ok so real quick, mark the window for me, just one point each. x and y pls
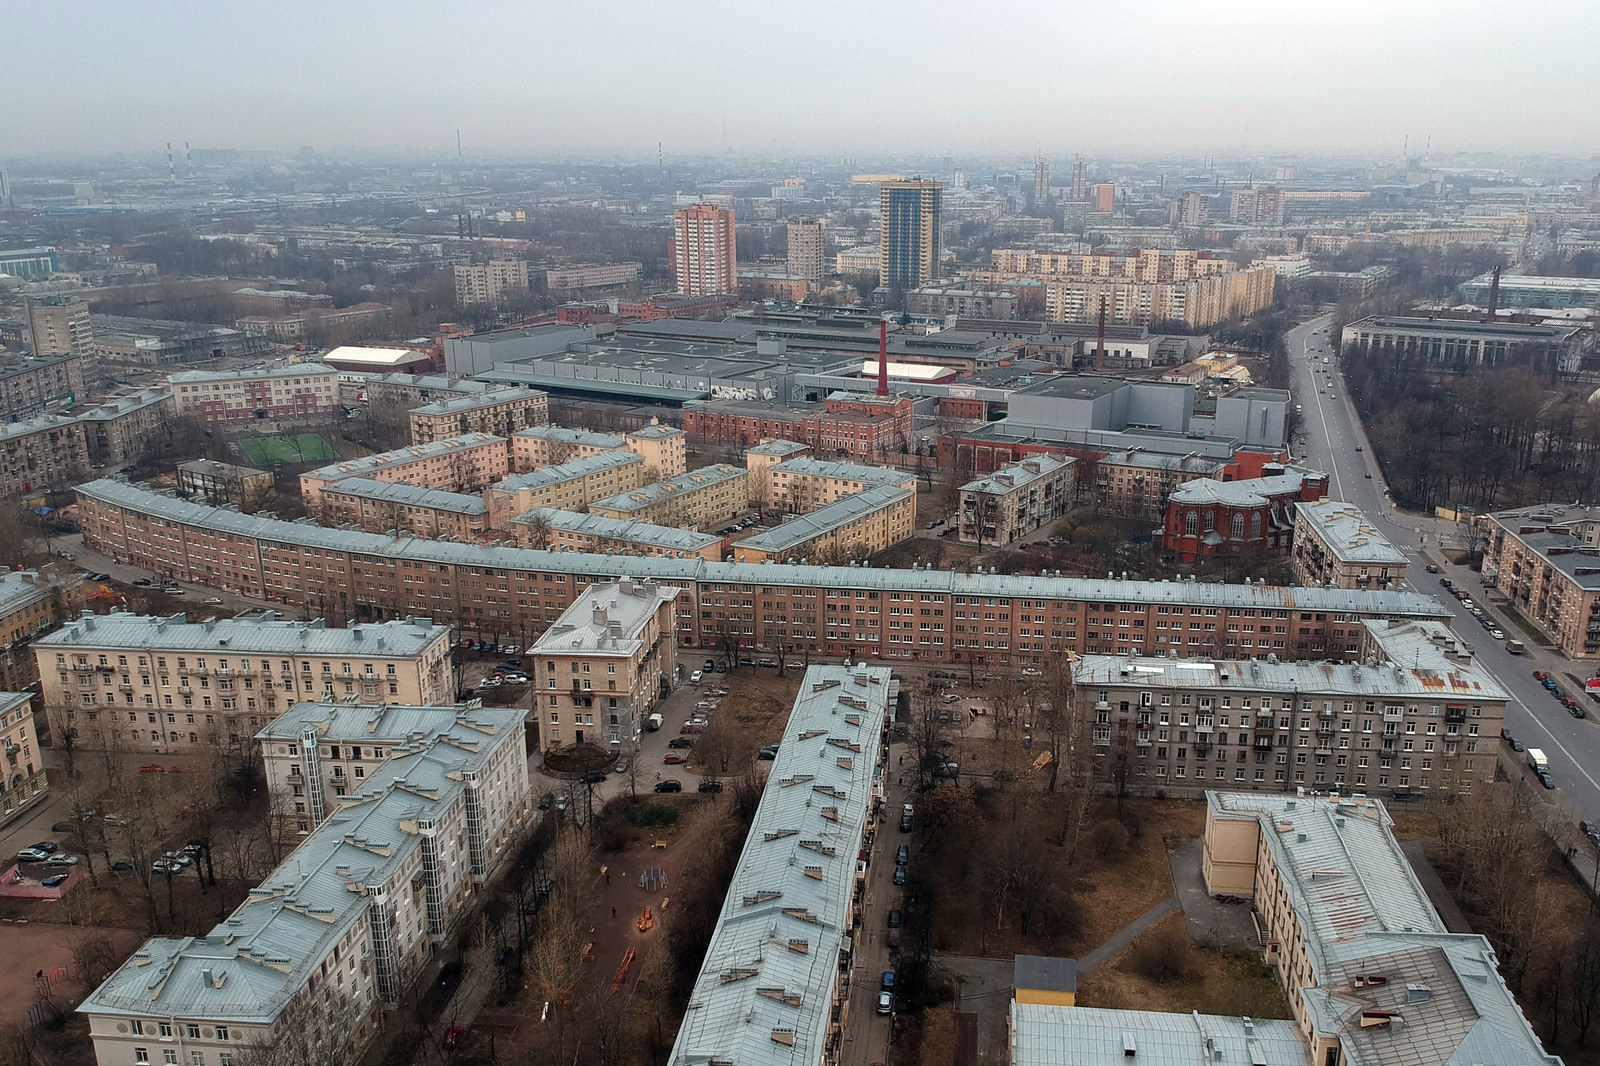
(222, 1034)
(192, 1031)
(141, 1055)
(165, 1028)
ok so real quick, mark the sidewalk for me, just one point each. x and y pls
(1121, 938)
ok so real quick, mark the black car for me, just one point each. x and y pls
(1430, 568)
(49, 847)
(545, 801)
(770, 751)
(1589, 829)
(711, 786)
(1577, 711)
(63, 827)
(902, 856)
(671, 784)
(899, 875)
(593, 777)
(894, 919)
(681, 742)
(122, 865)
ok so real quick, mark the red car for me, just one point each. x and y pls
(452, 1037)
(1568, 702)
(672, 758)
(1540, 675)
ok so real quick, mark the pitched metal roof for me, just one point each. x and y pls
(188, 377)
(477, 401)
(1348, 534)
(605, 620)
(568, 471)
(296, 535)
(640, 498)
(409, 495)
(409, 454)
(19, 589)
(563, 435)
(1092, 1036)
(1013, 476)
(824, 520)
(246, 636)
(764, 994)
(627, 529)
(867, 475)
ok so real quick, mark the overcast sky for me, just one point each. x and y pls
(833, 76)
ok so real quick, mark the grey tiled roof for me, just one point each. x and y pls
(241, 636)
(628, 529)
(825, 520)
(410, 453)
(409, 495)
(1093, 1036)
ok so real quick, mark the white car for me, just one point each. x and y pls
(1496, 634)
(694, 678)
(214, 601)
(61, 858)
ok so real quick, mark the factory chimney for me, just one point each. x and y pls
(1494, 295)
(883, 359)
(1100, 342)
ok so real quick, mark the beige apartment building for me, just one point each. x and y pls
(807, 238)
(124, 427)
(1546, 559)
(409, 510)
(604, 663)
(661, 447)
(1370, 970)
(1334, 544)
(1135, 484)
(300, 391)
(759, 458)
(546, 529)
(335, 935)
(455, 464)
(23, 783)
(317, 754)
(59, 325)
(153, 684)
(495, 282)
(852, 528)
(47, 451)
(568, 486)
(979, 618)
(1015, 500)
(701, 500)
(593, 276)
(800, 486)
(1417, 715)
(29, 384)
(28, 607)
(501, 412)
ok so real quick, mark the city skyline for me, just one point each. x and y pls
(1244, 76)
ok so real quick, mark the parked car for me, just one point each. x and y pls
(680, 742)
(1576, 711)
(722, 668)
(593, 777)
(1430, 568)
(710, 666)
(1540, 675)
(1590, 830)
(905, 819)
(902, 856)
(769, 751)
(887, 983)
(49, 847)
(63, 827)
(710, 786)
(54, 881)
(61, 858)
(694, 678)
(545, 801)
(894, 919)
(32, 855)
(141, 581)
(164, 866)
(452, 1036)
(465, 644)
(671, 784)
(121, 865)
(673, 758)
(212, 601)
(899, 875)
(885, 1002)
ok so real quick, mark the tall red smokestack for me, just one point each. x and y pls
(883, 358)
(1100, 343)
(1494, 296)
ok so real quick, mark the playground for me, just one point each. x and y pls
(42, 964)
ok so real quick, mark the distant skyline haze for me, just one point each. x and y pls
(540, 78)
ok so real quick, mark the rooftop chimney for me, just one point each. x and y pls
(883, 358)
(1100, 341)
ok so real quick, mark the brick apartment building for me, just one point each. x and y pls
(410, 510)
(501, 412)
(302, 391)
(455, 464)
(47, 451)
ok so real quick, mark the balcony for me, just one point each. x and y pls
(82, 668)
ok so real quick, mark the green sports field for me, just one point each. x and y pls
(279, 451)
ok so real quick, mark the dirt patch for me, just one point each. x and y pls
(577, 759)
(752, 714)
(1212, 982)
(39, 948)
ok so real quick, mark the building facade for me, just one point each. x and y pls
(1207, 518)
(1135, 484)
(1015, 500)
(29, 605)
(495, 282)
(800, 486)
(807, 240)
(502, 412)
(852, 528)
(30, 385)
(328, 943)
(153, 684)
(704, 253)
(1463, 344)
(303, 391)
(604, 663)
(1415, 714)
(1544, 559)
(125, 427)
(23, 782)
(219, 483)
(701, 500)
(542, 446)
(938, 301)
(568, 486)
(910, 213)
(776, 607)
(1257, 206)
(455, 464)
(1334, 544)
(380, 506)
(59, 325)
(547, 529)
(593, 276)
(47, 451)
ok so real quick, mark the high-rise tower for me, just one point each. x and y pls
(705, 258)
(908, 232)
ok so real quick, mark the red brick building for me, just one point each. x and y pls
(848, 424)
(1207, 518)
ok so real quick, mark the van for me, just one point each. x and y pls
(654, 722)
(1516, 647)
(1537, 761)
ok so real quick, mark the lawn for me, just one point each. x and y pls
(269, 452)
(1217, 982)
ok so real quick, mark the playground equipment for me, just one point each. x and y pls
(622, 971)
(647, 921)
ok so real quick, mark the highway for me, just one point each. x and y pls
(1334, 443)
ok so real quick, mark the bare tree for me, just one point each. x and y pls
(314, 1029)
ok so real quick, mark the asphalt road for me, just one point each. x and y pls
(1333, 436)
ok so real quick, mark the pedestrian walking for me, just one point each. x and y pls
(608, 877)
(613, 912)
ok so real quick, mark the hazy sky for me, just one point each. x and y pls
(863, 77)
